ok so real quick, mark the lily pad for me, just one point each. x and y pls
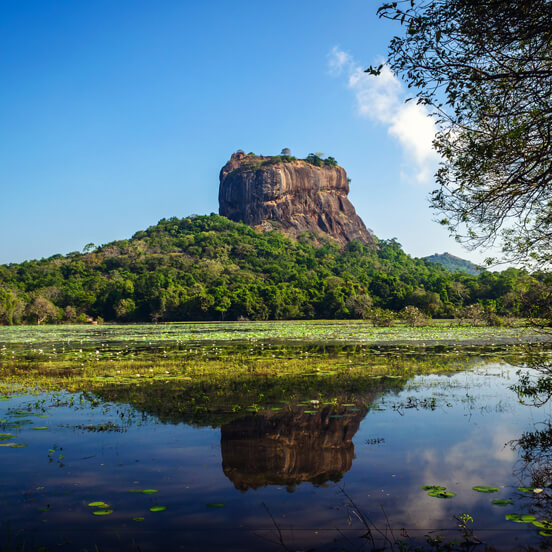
(525, 489)
(98, 504)
(441, 494)
(433, 488)
(138, 519)
(102, 512)
(545, 533)
(543, 524)
(485, 489)
(521, 518)
(38, 428)
(157, 508)
(215, 505)
(502, 502)
(149, 491)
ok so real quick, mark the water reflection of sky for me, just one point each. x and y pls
(397, 447)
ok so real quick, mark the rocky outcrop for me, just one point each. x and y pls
(292, 197)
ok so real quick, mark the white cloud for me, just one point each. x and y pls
(338, 59)
(382, 100)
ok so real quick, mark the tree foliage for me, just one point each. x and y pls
(211, 268)
(484, 67)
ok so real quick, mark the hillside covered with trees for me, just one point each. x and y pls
(210, 268)
(454, 263)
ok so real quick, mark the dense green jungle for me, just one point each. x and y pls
(210, 268)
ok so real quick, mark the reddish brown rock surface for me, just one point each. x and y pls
(290, 448)
(292, 197)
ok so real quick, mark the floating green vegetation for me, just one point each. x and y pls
(521, 518)
(98, 504)
(526, 489)
(102, 512)
(438, 491)
(441, 494)
(544, 524)
(215, 505)
(138, 518)
(502, 502)
(158, 508)
(18, 423)
(39, 428)
(485, 489)
(149, 491)
(49, 341)
(272, 359)
(257, 377)
(433, 488)
(102, 427)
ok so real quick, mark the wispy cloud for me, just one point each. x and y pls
(382, 100)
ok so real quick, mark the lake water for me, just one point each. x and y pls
(337, 444)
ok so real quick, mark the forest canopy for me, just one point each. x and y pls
(210, 268)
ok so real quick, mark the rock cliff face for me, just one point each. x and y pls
(292, 197)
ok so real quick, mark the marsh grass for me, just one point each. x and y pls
(212, 383)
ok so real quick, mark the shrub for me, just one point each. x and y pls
(413, 316)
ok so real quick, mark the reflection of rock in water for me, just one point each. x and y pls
(286, 449)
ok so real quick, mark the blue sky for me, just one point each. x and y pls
(116, 114)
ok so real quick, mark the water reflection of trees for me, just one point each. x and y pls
(535, 448)
(534, 469)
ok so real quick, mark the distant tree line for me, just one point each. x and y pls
(210, 268)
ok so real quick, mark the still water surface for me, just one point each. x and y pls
(279, 474)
